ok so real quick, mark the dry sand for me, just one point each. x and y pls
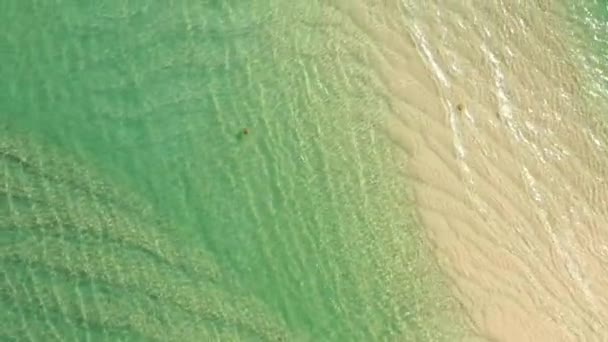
(511, 186)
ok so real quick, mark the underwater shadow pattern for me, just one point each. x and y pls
(81, 260)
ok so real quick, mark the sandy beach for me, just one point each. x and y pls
(409, 167)
(509, 167)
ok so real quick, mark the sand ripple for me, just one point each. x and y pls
(509, 169)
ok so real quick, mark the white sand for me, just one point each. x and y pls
(512, 188)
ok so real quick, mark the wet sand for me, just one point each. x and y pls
(508, 167)
(305, 228)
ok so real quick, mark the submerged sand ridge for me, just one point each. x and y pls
(509, 169)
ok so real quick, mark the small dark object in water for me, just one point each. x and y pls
(245, 131)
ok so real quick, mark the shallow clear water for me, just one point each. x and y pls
(591, 19)
(309, 216)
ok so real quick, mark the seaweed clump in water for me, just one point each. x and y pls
(79, 260)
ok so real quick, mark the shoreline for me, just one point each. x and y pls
(412, 173)
(508, 174)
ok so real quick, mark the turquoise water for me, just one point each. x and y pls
(151, 217)
(133, 208)
(590, 22)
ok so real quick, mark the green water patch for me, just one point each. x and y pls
(77, 262)
(588, 27)
(308, 213)
(585, 28)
